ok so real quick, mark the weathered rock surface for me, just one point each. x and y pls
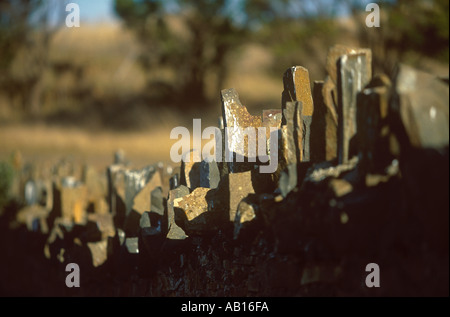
(297, 88)
(354, 74)
(421, 100)
(239, 186)
(174, 232)
(196, 212)
(209, 174)
(236, 120)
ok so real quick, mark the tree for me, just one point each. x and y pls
(195, 51)
(213, 29)
(409, 31)
(25, 36)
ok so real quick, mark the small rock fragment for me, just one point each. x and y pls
(99, 252)
(74, 203)
(157, 201)
(174, 232)
(209, 174)
(141, 201)
(340, 187)
(246, 212)
(132, 245)
(197, 214)
(190, 169)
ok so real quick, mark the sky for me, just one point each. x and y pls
(96, 11)
(101, 11)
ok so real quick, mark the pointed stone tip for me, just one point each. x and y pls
(229, 94)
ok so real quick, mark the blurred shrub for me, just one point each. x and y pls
(409, 31)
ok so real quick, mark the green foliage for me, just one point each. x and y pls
(423, 25)
(414, 28)
(6, 179)
(23, 50)
(14, 26)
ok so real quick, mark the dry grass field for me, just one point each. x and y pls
(107, 55)
(106, 58)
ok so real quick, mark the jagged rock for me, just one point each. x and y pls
(291, 133)
(331, 120)
(174, 181)
(246, 212)
(55, 240)
(34, 217)
(209, 174)
(139, 184)
(142, 201)
(236, 119)
(31, 193)
(151, 223)
(324, 123)
(93, 181)
(132, 245)
(33, 190)
(145, 220)
(421, 101)
(116, 188)
(104, 223)
(73, 203)
(354, 74)
(340, 187)
(190, 169)
(99, 252)
(121, 235)
(330, 94)
(239, 186)
(119, 157)
(96, 189)
(197, 213)
(272, 118)
(219, 138)
(157, 201)
(373, 180)
(321, 171)
(297, 87)
(288, 179)
(337, 51)
(174, 232)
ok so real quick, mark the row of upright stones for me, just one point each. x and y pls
(347, 120)
(352, 122)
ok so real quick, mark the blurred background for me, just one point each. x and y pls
(135, 69)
